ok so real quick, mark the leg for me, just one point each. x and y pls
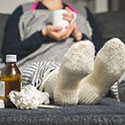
(76, 64)
(108, 68)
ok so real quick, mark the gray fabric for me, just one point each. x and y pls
(111, 24)
(32, 21)
(107, 112)
(36, 73)
(27, 6)
(55, 53)
(3, 21)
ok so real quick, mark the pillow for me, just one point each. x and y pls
(3, 21)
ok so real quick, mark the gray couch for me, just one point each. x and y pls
(107, 112)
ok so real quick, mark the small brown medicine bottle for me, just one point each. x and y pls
(10, 79)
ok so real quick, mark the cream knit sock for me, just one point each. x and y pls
(77, 63)
(50, 83)
(108, 68)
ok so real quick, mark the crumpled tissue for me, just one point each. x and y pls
(29, 98)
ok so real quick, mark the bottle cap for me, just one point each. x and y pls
(11, 58)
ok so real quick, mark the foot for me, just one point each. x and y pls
(108, 68)
(77, 63)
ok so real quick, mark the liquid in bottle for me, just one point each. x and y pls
(10, 79)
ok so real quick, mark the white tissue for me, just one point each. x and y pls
(29, 98)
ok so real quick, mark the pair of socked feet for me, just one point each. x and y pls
(82, 77)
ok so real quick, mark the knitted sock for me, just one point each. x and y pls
(77, 63)
(50, 83)
(108, 68)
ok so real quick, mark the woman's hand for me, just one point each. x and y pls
(76, 33)
(55, 32)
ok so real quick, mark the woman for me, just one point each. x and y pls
(14, 44)
(78, 79)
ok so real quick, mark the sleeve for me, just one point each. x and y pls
(12, 42)
(96, 37)
(84, 37)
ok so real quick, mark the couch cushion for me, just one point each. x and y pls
(3, 21)
(111, 24)
(107, 112)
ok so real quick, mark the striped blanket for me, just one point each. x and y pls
(37, 73)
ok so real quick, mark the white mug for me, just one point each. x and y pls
(58, 18)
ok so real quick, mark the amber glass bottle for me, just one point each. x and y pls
(10, 79)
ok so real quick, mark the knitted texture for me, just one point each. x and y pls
(108, 68)
(88, 94)
(76, 64)
(50, 83)
(51, 50)
(33, 21)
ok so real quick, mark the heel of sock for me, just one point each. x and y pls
(88, 94)
(66, 97)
